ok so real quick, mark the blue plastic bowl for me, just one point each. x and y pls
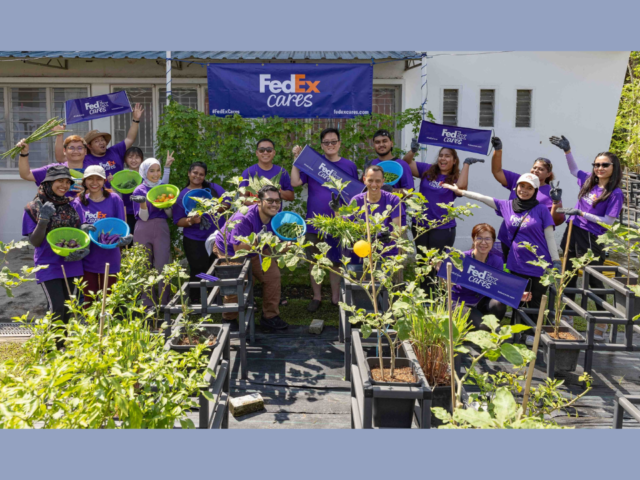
(115, 225)
(189, 203)
(287, 217)
(392, 167)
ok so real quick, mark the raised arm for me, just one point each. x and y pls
(59, 145)
(296, 181)
(409, 158)
(463, 180)
(472, 195)
(496, 162)
(136, 115)
(562, 143)
(167, 168)
(589, 216)
(23, 163)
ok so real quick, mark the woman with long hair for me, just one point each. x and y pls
(600, 200)
(548, 195)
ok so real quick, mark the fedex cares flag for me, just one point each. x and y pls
(460, 138)
(290, 90)
(100, 106)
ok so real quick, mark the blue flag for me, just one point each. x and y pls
(291, 90)
(485, 280)
(100, 106)
(322, 170)
(460, 138)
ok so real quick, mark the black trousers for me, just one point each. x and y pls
(56, 292)
(535, 287)
(438, 239)
(486, 306)
(131, 221)
(582, 240)
(199, 262)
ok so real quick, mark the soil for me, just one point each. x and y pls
(563, 336)
(222, 263)
(401, 375)
(210, 340)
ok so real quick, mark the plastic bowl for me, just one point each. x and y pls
(124, 176)
(391, 166)
(159, 190)
(67, 233)
(113, 225)
(188, 201)
(287, 217)
(76, 174)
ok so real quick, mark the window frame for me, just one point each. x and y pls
(495, 104)
(442, 90)
(515, 107)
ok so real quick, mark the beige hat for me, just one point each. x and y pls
(93, 134)
(531, 179)
(95, 170)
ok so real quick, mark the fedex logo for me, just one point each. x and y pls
(98, 107)
(483, 279)
(296, 84)
(453, 137)
(94, 217)
(110, 165)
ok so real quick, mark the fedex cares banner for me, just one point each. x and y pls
(100, 106)
(460, 138)
(322, 170)
(290, 90)
(485, 280)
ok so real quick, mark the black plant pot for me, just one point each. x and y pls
(227, 272)
(392, 412)
(208, 330)
(566, 360)
(440, 397)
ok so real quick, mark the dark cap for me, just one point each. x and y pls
(382, 133)
(57, 172)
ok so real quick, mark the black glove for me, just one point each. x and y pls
(47, 211)
(87, 227)
(415, 146)
(335, 202)
(561, 142)
(557, 265)
(205, 224)
(555, 193)
(570, 211)
(77, 255)
(387, 188)
(138, 198)
(126, 240)
(384, 237)
(497, 143)
(471, 160)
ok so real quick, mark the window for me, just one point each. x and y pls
(184, 96)
(25, 109)
(487, 108)
(523, 108)
(450, 106)
(146, 130)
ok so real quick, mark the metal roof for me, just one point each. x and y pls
(239, 55)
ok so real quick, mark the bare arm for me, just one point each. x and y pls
(463, 180)
(133, 129)
(296, 181)
(287, 195)
(551, 243)
(413, 165)
(59, 145)
(23, 163)
(496, 168)
(558, 218)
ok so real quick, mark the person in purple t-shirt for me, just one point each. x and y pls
(548, 195)
(318, 200)
(196, 229)
(600, 200)
(94, 204)
(527, 221)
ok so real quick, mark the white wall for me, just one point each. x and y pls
(575, 94)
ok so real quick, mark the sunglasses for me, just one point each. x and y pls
(601, 165)
(266, 149)
(330, 142)
(271, 201)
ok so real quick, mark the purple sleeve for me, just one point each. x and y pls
(573, 166)
(512, 179)
(495, 261)
(119, 205)
(242, 229)
(500, 205)
(80, 209)
(395, 201)
(582, 177)
(136, 206)
(178, 208)
(422, 167)
(119, 149)
(28, 225)
(219, 191)
(353, 170)
(406, 181)
(39, 174)
(285, 181)
(304, 178)
(245, 175)
(545, 216)
(615, 203)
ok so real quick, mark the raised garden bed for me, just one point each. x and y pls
(628, 404)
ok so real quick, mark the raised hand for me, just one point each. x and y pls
(47, 211)
(24, 145)
(58, 128)
(297, 150)
(555, 193)
(497, 143)
(170, 159)
(471, 160)
(335, 202)
(415, 145)
(137, 112)
(561, 142)
(570, 211)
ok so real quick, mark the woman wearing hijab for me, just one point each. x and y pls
(527, 220)
(51, 209)
(152, 230)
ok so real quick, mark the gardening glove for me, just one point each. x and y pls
(497, 143)
(335, 202)
(138, 198)
(415, 145)
(471, 160)
(387, 188)
(570, 211)
(561, 142)
(557, 265)
(385, 237)
(77, 255)
(205, 224)
(555, 193)
(87, 227)
(47, 211)
(126, 240)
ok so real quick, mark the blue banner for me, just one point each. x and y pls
(322, 170)
(460, 138)
(485, 280)
(290, 90)
(100, 106)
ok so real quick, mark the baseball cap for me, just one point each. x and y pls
(94, 170)
(531, 179)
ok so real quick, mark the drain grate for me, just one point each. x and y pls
(12, 330)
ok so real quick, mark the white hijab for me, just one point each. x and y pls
(144, 169)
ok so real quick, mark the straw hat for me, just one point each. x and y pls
(93, 134)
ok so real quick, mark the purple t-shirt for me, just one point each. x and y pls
(385, 200)
(512, 182)
(532, 231)
(112, 161)
(469, 297)
(319, 196)
(154, 212)
(435, 193)
(45, 256)
(610, 207)
(110, 207)
(253, 170)
(193, 232)
(406, 180)
(251, 222)
(40, 173)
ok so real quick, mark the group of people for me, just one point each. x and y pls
(530, 213)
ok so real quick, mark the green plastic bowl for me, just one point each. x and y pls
(159, 190)
(124, 176)
(66, 233)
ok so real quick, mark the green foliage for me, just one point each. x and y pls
(625, 141)
(8, 279)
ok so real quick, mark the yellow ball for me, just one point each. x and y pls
(362, 248)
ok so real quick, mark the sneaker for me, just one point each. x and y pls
(567, 320)
(275, 323)
(529, 340)
(600, 334)
(314, 305)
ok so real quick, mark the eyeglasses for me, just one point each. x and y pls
(483, 240)
(601, 165)
(265, 149)
(330, 142)
(74, 149)
(271, 201)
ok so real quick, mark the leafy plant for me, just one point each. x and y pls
(622, 239)
(8, 279)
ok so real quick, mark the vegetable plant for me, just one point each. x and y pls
(8, 279)
(42, 132)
